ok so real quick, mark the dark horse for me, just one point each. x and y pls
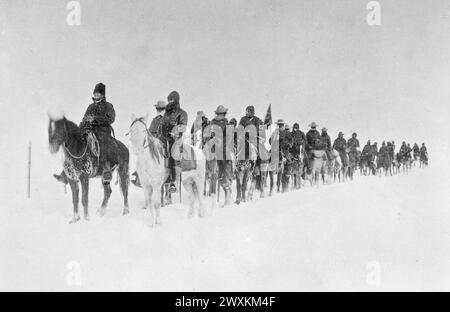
(85, 158)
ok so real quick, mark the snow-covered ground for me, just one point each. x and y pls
(389, 233)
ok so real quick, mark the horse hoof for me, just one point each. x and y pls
(125, 212)
(75, 219)
(101, 212)
(86, 217)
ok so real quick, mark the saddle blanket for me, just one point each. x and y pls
(188, 161)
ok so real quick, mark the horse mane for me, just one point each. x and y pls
(74, 135)
(154, 144)
(155, 147)
(72, 128)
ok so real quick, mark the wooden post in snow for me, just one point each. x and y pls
(29, 171)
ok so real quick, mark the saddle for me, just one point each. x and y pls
(319, 154)
(87, 162)
(188, 161)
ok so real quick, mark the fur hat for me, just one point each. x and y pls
(173, 97)
(100, 88)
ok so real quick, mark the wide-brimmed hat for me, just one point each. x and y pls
(313, 125)
(340, 133)
(160, 105)
(324, 129)
(280, 122)
(221, 110)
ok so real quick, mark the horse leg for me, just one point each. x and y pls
(263, 183)
(124, 177)
(106, 194)
(278, 181)
(75, 199)
(85, 196)
(148, 193)
(271, 182)
(157, 205)
(238, 187)
(198, 195)
(244, 185)
(188, 186)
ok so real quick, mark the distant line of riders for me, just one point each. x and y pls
(296, 150)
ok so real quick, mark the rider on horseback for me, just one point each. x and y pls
(313, 142)
(326, 141)
(366, 153)
(173, 126)
(353, 142)
(285, 144)
(416, 151)
(224, 161)
(197, 129)
(383, 155)
(340, 144)
(353, 145)
(403, 152)
(247, 120)
(298, 139)
(424, 154)
(98, 119)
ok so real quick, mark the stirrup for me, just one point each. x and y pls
(59, 178)
(172, 188)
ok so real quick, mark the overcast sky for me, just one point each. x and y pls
(313, 60)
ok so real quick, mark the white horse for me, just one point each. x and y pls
(318, 166)
(152, 172)
(335, 167)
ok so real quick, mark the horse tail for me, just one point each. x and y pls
(123, 173)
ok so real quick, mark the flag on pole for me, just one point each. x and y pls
(268, 118)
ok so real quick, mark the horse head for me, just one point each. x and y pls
(138, 132)
(57, 132)
(141, 138)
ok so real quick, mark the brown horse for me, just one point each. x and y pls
(85, 158)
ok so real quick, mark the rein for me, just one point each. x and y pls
(93, 141)
(146, 130)
(153, 153)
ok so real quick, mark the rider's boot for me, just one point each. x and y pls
(173, 174)
(136, 180)
(62, 177)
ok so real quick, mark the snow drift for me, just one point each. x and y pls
(374, 233)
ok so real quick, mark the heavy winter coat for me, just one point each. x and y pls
(313, 140)
(174, 116)
(155, 126)
(340, 144)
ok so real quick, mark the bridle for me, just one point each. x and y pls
(141, 120)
